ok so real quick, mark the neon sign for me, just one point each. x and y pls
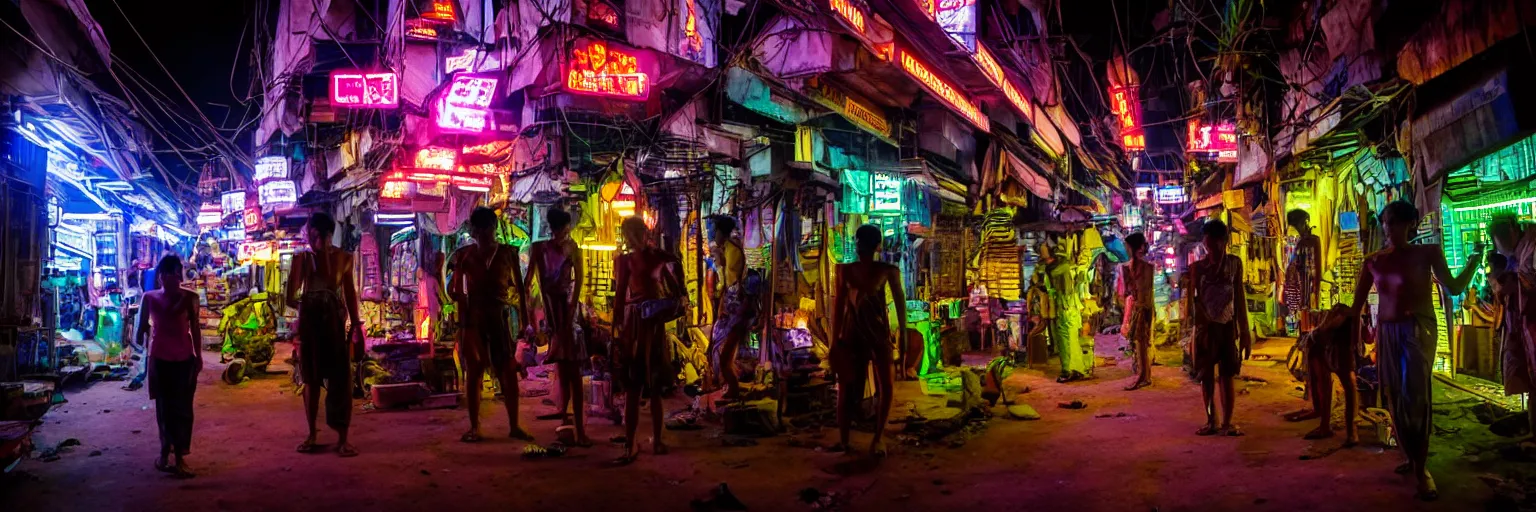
(278, 194)
(1126, 104)
(465, 108)
(1220, 139)
(436, 158)
(394, 189)
(271, 168)
(368, 90)
(442, 10)
(856, 111)
(850, 13)
(473, 60)
(603, 14)
(419, 29)
(232, 202)
(885, 193)
(1172, 194)
(942, 89)
(600, 70)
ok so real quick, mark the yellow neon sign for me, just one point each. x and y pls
(849, 12)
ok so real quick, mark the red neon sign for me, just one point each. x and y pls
(849, 12)
(1126, 104)
(1220, 139)
(442, 10)
(600, 70)
(942, 89)
(376, 90)
(394, 189)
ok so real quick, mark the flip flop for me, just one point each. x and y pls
(1208, 430)
(308, 447)
(1232, 431)
(471, 437)
(346, 450)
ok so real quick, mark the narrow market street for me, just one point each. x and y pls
(1126, 451)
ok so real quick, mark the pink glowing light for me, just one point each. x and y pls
(365, 90)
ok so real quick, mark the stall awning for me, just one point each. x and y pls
(1480, 118)
(1025, 173)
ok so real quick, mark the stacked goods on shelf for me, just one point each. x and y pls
(1000, 256)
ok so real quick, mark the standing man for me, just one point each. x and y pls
(1138, 289)
(1404, 275)
(488, 287)
(324, 273)
(1303, 287)
(1515, 290)
(1222, 338)
(557, 264)
(1061, 282)
(734, 309)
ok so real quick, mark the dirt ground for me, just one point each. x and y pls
(1145, 459)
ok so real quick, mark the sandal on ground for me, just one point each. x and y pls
(1232, 431)
(346, 450)
(308, 446)
(1208, 430)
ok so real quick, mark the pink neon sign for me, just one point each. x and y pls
(1220, 139)
(366, 90)
(466, 107)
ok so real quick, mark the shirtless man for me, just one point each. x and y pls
(1222, 337)
(489, 288)
(1404, 276)
(324, 273)
(734, 309)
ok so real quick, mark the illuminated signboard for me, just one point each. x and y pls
(994, 72)
(271, 168)
(252, 219)
(206, 219)
(367, 90)
(473, 60)
(441, 10)
(956, 17)
(232, 202)
(849, 12)
(694, 31)
(941, 89)
(420, 29)
(858, 112)
(885, 193)
(599, 69)
(466, 107)
(394, 189)
(436, 158)
(1172, 194)
(278, 194)
(1125, 102)
(603, 14)
(1220, 139)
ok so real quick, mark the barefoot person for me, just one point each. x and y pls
(860, 318)
(642, 354)
(324, 273)
(1139, 291)
(488, 286)
(1404, 275)
(169, 319)
(1222, 340)
(1303, 286)
(734, 311)
(556, 263)
(1331, 352)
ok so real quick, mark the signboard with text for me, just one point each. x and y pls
(365, 90)
(1125, 102)
(600, 68)
(1219, 140)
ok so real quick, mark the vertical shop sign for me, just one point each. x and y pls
(1125, 102)
(885, 193)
